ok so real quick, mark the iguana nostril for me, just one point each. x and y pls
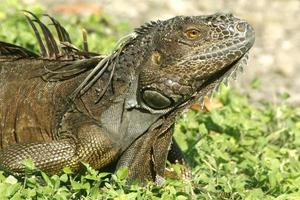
(231, 29)
(221, 17)
(241, 27)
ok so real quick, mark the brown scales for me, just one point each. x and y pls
(67, 105)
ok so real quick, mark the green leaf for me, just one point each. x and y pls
(46, 179)
(28, 164)
(67, 170)
(122, 173)
(11, 180)
(243, 150)
(64, 178)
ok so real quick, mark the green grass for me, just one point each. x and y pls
(103, 31)
(238, 151)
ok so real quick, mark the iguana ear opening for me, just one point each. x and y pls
(156, 58)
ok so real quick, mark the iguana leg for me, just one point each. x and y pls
(146, 157)
(89, 144)
(138, 158)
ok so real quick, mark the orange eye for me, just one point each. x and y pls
(192, 34)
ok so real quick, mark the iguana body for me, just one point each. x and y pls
(69, 106)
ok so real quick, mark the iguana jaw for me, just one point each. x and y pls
(212, 86)
(223, 75)
(230, 69)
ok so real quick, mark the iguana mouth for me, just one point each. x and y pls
(229, 70)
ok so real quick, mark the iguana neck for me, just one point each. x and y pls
(124, 80)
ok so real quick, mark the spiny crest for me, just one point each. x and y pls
(69, 69)
(13, 51)
(76, 61)
(107, 63)
(50, 49)
(146, 27)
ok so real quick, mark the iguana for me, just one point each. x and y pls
(65, 106)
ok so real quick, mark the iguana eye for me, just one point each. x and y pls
(192, 34)
(156, 100)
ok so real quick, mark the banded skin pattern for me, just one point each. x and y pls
(65, 106)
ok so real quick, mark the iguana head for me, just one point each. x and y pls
(187, 56)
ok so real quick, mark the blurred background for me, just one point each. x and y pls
(274, 68)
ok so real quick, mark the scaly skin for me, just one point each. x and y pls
(63, 110)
